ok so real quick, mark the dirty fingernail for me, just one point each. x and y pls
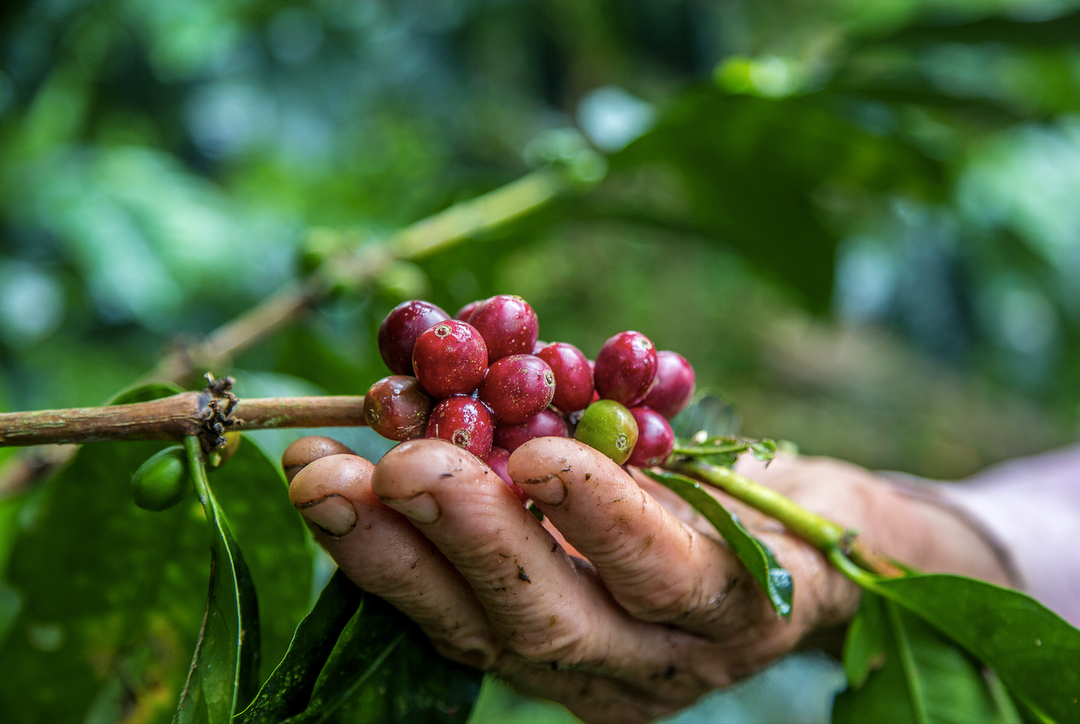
(549, 491)
(421, 507)
(334, 514)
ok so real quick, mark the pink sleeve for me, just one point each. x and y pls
(1030, 509)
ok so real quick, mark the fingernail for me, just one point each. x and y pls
(550, 490)
(334, 514)
(421, 507)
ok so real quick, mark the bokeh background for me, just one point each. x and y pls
(860, 221)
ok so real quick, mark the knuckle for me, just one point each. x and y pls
(660, 600)
(559, 645)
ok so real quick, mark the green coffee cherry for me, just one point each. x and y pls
(610, 428)
(162, 480)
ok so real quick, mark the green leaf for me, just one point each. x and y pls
(1040, 34)
(288, 689)
(1034, 651)
(252, 491)
(224, 669)
(755, 555)
(866, 645)
(903, 670)
(747, 171)
(111, 595)
(710, 412)
(383, 669)
(145, 393)
(357, 659)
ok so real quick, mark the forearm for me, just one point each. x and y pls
(1029, 510)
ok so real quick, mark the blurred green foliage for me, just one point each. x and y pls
(860, 220)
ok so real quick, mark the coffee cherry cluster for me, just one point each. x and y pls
(482, 381)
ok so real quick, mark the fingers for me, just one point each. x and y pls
(382, 553)
(656, 567)
(308, 449)
(546, 608)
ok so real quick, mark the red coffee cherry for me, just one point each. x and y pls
(497, 460)
(450, 358)
(397, 408)
(465, 312)
(518, 387)
(465, 422)
(546, 424)
(398, 332)
(573, 376)
(674, 387)
(655, 438)
(626, 368)
(508, 325)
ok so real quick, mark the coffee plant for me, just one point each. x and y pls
(111, 608)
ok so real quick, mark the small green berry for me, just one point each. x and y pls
(610, 428)
(162, 480)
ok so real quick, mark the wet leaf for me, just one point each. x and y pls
(383, 669)
(357, 659)
(288, 689)
(901, 669)
(755, 555)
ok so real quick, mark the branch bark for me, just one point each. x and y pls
(174, 418)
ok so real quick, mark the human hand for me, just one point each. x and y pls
(624, 605)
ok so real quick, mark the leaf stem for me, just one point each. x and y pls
(715, 450)
(816, 530)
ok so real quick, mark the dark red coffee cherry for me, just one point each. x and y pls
(398, 332)
(508, 325)
(655, 438)
(538, 345)
(518, 387)
(450, 358)
(465, 312)
(397, 407)
(573, 376)
(547, 424)
(497, 460)
(626, 368)
(674, 387)
(465, 422)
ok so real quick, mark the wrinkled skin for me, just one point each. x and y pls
(623, 606)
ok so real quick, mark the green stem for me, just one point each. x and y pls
(816, 530)
(843, 564)
(197, 468)
(717, 450)
(478, 215)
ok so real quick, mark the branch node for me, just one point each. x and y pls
(216, 415)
